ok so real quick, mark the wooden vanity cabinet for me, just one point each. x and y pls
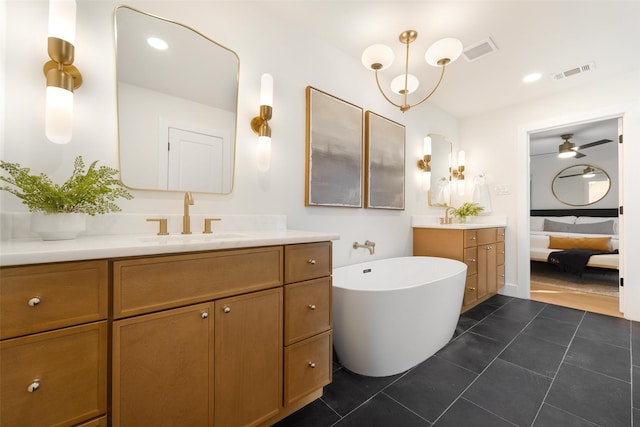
(482, 249)
(53, 353)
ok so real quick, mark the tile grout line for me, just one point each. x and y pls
(584, 313)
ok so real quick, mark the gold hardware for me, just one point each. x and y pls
(163, 225)
(312, 365)
(472, 289)
(371, 246)
(260, 123)
(207, 225)
(226, 309)
(312, 261)
(33, 301)
(186, 220)
(458, 173)
(447, 212)
(425, 164)
(312, 306)
(204, 315)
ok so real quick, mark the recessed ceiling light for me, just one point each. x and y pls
(157, 43)
(530, 78)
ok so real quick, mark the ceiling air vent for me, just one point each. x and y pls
(574, 71)
(479, 50)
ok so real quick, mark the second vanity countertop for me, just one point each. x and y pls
(427, 221)
(36, 251)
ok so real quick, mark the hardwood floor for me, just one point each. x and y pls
(580, 300)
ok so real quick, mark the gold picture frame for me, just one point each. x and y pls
(385, 163)
(333, 151)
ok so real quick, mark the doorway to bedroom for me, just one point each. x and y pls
(573, 190)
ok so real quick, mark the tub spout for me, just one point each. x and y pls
(371, 246)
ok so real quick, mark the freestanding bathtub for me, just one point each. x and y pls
(391, 314)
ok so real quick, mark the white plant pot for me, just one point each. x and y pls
(60, 226)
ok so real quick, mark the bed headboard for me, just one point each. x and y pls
(575, 212)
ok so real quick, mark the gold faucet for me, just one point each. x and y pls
(186, 220)
(447, 218)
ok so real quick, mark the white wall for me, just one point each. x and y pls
(293, 58)
(497, 142)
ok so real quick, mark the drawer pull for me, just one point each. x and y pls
(312, 261)
(472, 289)
(34, 301)
(34, 386)
(312, 365)
(312, 306)
(472, 260)
(489, 248)
(473, 238)
(204, 314)
(226, 309)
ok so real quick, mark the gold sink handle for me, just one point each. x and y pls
(207, 225)
(163, 225)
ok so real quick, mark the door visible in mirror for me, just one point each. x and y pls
(581, 185)
(177, 106)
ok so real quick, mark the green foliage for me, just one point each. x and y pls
(91, 192)
(468, 209)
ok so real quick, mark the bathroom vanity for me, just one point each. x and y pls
(479, 246)
(225, 333)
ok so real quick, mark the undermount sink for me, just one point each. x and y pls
(190, 238)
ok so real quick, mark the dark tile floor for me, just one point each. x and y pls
(512, 362)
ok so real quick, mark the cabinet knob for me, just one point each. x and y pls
(33, 301)
(312, 306)
(312, 261)
(226, 309)
(312, 365)
(204, 314)
(472, 260)
(33, 386)
(473, 238)
(472, 289)
(489, 248)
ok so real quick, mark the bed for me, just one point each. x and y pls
(582, 229)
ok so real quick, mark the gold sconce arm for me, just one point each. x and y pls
(260, 123)
(425, 164)
(458, 173)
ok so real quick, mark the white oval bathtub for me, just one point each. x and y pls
(391, 314)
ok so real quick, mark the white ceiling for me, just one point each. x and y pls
(543, 36)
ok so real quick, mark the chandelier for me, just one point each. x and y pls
(379, 56)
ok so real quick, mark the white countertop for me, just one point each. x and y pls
(431, 221)
(35, 251)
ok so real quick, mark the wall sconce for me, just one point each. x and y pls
(62, 76)
(458, 173)
(260, 123)
(424, 164)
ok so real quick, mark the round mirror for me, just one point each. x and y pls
(581, 185)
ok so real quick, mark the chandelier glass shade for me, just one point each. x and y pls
(379, 57)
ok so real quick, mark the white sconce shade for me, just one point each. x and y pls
(461, 158)
(443, 51)
(397, 84)
(264, 153)
(426, 148)
(461, 187)
(62, 20)
(59, 115)
(266, 90)
(377, 57)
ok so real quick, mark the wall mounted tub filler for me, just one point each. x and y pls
(367, 245)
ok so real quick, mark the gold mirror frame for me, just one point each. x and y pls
(568, 186)
(193, 95)
(439, 193)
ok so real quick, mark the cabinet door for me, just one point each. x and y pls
(162, 368)
(248, 358)
(487, 270)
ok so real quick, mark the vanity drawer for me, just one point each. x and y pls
(307, 261)
(307, 309)
(471, 259)
(43, 297)
(487, 236)
(470, 238)
(143, 285)
(500, 234)
(307, 366)
(500, 273)
(470, 290)
(71, 366)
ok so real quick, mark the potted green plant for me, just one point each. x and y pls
(59, 211)
(467, 209)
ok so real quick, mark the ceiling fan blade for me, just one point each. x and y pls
(569, 176)
(579, 154)
(593, 144)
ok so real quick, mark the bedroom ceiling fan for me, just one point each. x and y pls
(588, 172)
(568, 149)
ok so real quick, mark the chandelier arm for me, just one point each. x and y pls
(382, 92)
(432, 90)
